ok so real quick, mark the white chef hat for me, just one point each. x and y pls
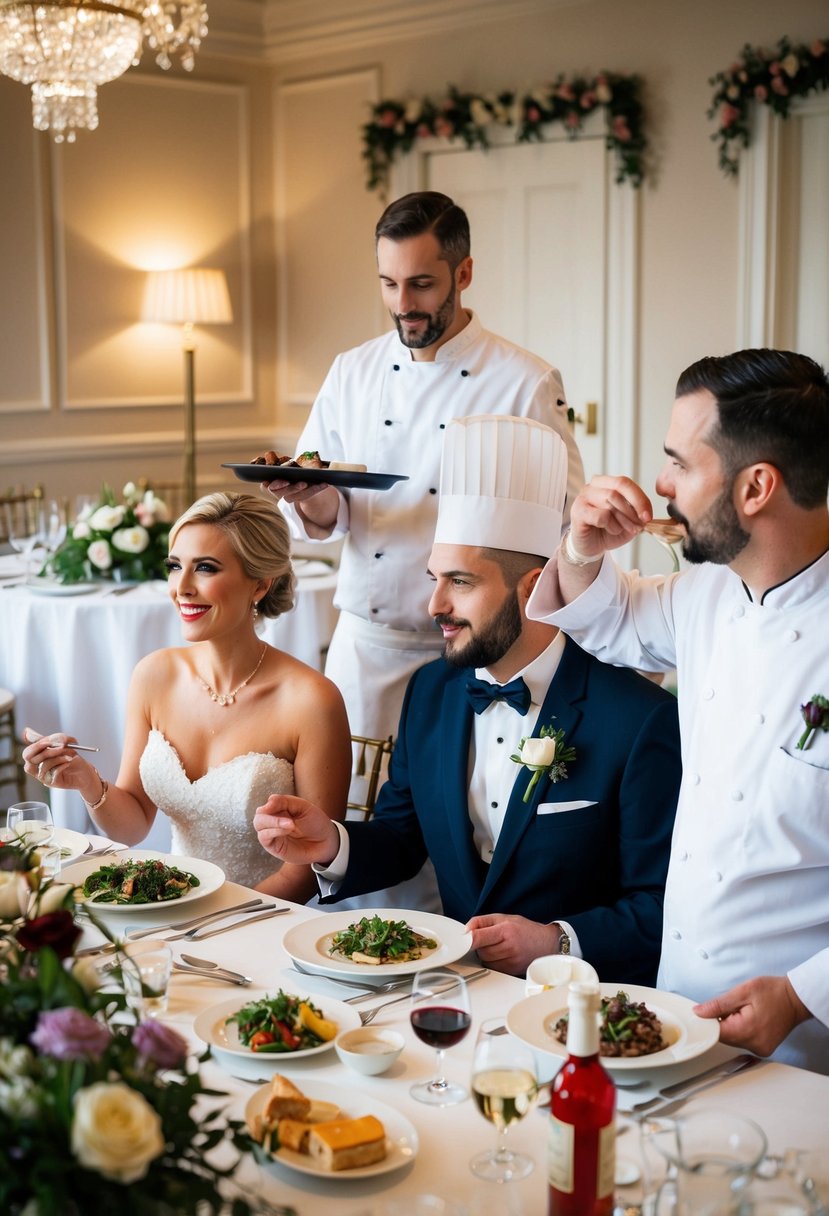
(503, 482)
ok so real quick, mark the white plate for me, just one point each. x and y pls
(211, 1027)
(532, 1019)
(72, 845)
(307, 943)
(401, 1138)
(210, 877)
(45, 587)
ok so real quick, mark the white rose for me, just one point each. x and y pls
(115, 1131)
(790, 64)
(18, 1098)
(129, 489)
(538, 752)
(480, 113)
(87, 972)
(49, 899)
(14, 893)
(100, 554)
(131, 540)
(157, 507)
(414, 109)
(15, 1058)
(603, 93)
(81, 530)
(106, 519)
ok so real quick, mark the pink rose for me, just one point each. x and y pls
(761, 92)
(728, 116)
(533, 114)
(70, 1034)
(621, 130)
(387, 118)
(572, 120)
(818, 48)
(775, 68)
(444, 127)
(423, 129)
(588, 99)
(779, 85)
(565, 92)
(159, 1045)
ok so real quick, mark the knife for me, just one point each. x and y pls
(199, 936)
(673, 1096)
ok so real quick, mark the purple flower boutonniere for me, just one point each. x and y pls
(815, 714)
(545, 754)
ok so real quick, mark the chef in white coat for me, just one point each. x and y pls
(386, 405)
(746, 474)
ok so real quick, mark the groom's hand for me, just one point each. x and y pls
(295, 830)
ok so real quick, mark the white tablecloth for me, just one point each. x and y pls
(791, 1105)
(68, 660)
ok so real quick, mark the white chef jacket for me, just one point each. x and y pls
(380, 407)
(748, 882)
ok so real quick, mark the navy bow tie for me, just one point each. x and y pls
(481, 694)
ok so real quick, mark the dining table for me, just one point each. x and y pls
(791, 1105)
(67, 653)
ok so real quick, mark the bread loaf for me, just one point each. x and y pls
(346, 1144)
(293, 1133)
(285, 1102)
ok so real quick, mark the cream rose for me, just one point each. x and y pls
(115, 1131)
(15, 889)
(131, 540)
(540, 753)
(106, 519)
(81, 530)
(100, 554)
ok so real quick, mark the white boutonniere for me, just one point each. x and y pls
(546, 753)
(815, 714)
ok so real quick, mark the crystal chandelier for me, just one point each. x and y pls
(65, 48)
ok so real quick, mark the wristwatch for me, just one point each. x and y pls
(564, 942)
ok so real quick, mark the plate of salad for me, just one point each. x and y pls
(140, 880)
(376, 943)
(271, 1030)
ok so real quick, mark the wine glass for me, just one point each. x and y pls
(440, 1016)
(30, 822)
(54, 527)
(504, 1087)
(24, 540)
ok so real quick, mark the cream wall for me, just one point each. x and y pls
(308, 235)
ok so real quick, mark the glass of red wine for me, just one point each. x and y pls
(440, 1016)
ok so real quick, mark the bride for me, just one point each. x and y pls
(217, 726)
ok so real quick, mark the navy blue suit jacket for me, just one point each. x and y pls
(600, 866)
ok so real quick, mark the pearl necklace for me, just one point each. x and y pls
(229, 698)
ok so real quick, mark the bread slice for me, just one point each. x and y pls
(293, 1133)
(285, 1101)
(346, 1144)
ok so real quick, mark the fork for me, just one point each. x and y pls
(368, 1015)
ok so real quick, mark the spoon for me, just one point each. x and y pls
(208, 965)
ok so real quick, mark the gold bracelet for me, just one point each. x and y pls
(93, 806)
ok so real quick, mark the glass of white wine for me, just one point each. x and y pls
(504, 1086)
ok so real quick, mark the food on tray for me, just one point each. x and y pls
(291, 1120)
(666, 529)
(347, 1144)
(308, 460)
(282, 1023)
(628, 1028)
(137, 882)
(375, 941)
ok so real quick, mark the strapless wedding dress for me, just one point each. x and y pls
(211, 818)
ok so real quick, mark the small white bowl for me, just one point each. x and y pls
(369, 1050)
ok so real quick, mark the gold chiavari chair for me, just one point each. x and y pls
(368, 768)
(11, 762)
(18, 511)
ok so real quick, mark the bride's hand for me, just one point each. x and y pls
(295, 830)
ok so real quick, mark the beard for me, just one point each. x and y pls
(489, 643)
(717, 537)
(437, 323)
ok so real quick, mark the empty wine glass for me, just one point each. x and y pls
(504, 1087)
(54, 526)
(440, 1016)
(30, 822)
(25, 535)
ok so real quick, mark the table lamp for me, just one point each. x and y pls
(188, 297)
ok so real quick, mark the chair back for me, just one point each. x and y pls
(369, 758)
(18, 511)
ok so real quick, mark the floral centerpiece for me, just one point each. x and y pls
(395, 125)
(772, 78)
(126, 541)
(97, 1111)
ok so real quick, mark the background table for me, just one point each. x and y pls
(790, 1104)
(69, 659)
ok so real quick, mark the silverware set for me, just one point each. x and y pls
(670, 1097)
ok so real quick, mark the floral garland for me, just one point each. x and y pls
(773, 78)
(396, 125)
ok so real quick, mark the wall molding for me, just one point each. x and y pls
(139, 445)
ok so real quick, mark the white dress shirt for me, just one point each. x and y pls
(748, 882)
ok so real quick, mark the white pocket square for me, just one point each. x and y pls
(555, 808)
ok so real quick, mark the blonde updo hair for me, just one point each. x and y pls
(259, 535)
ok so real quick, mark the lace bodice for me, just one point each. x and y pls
(211, 817)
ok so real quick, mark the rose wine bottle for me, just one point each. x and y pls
(581, 1147)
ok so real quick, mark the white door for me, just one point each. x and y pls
(539, 244)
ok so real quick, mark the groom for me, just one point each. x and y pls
(572, 857)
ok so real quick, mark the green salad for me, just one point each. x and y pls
(283, 1023)
(137, 882)
(374, 940)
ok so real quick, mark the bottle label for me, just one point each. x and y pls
(560, 1143)
(606, 1169)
